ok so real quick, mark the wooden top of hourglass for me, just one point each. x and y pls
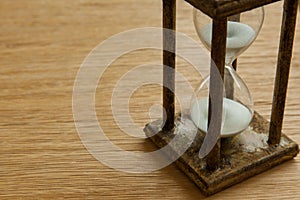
(224, 8)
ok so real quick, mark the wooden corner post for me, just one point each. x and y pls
(169, 45)
(218, 50)
(283, 68)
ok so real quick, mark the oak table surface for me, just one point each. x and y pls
(42, 45)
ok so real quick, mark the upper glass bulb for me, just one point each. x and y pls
(242, 29)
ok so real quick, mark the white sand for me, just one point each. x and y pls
(235, 117)
(239, 36)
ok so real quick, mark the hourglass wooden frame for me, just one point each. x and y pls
(222, 168)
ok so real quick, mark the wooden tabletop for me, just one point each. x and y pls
(44, 42)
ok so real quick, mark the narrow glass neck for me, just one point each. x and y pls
(229, 59)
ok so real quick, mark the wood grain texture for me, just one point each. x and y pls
(43, 43)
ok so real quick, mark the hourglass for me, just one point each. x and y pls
(242, 29)
(221, 121)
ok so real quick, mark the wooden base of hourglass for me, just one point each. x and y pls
(239, 159)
